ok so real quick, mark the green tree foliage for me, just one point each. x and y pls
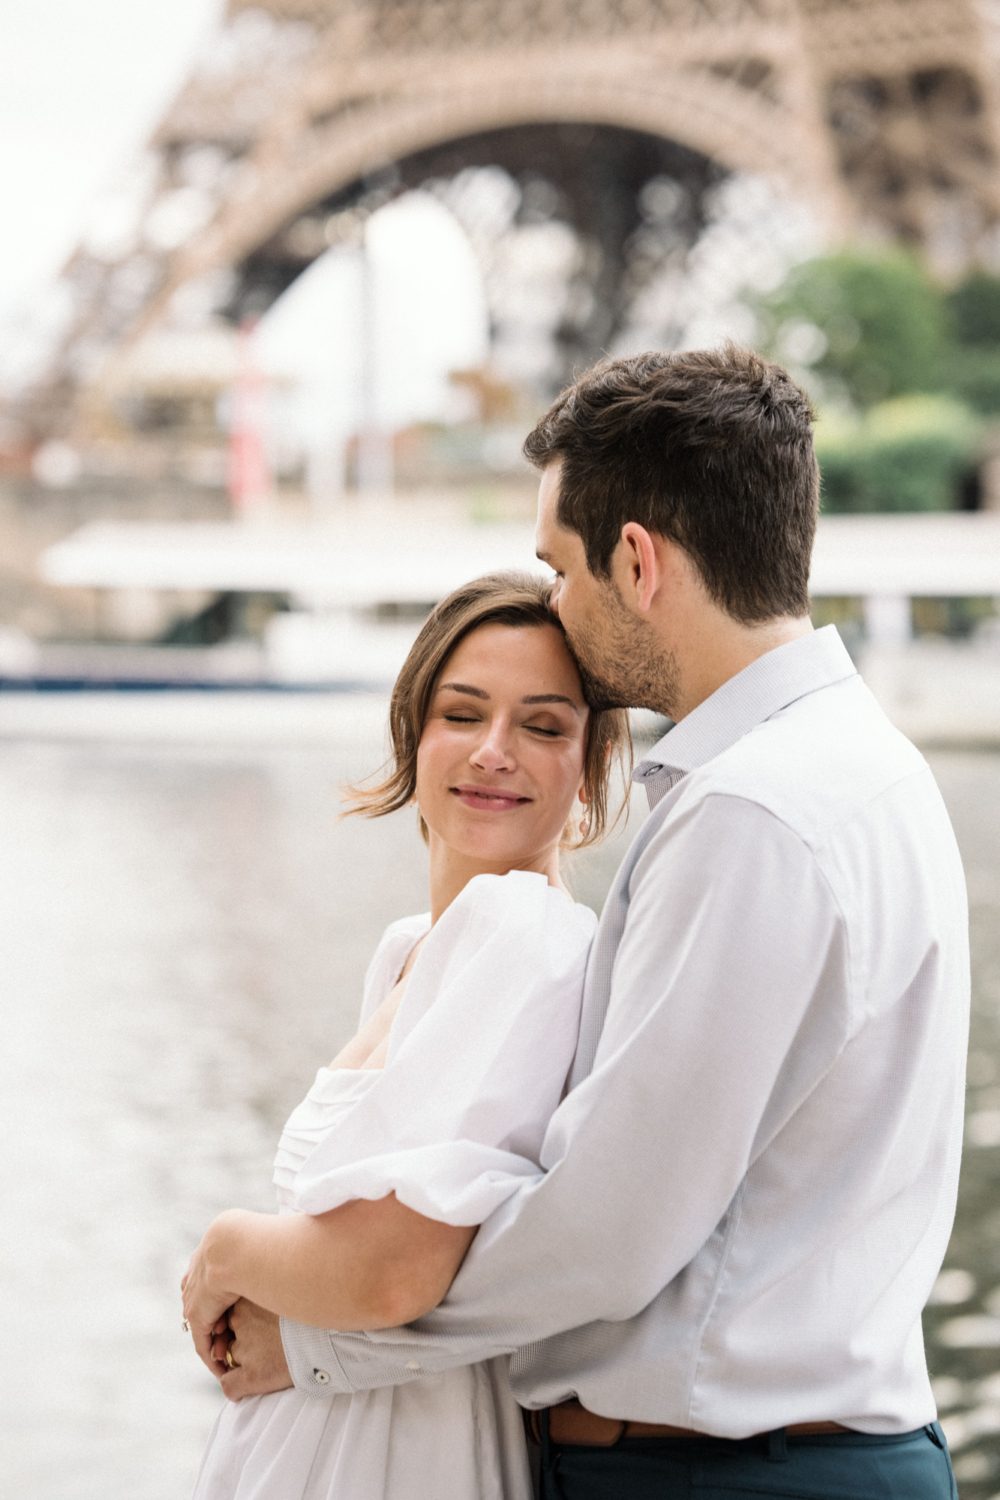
(971, 366)
(877, 324)
(912, 453)
(974, 308)
(912, 368)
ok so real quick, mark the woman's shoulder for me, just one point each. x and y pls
(504, 966)
(397, 940)
(522, 898)
(389, 957)
(405, 929)
(525, 888)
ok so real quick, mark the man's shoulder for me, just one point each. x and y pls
(818, 764)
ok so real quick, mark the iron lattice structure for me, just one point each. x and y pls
(884, 114)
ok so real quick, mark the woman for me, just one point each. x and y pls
(467, 1032)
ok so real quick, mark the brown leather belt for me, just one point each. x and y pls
(570, 1424)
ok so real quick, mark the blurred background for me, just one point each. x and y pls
(282, 288)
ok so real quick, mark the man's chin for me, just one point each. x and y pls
(614, 678)
(602, 695)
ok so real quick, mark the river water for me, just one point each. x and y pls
(184, 927)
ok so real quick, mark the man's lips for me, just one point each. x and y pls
(488, 798)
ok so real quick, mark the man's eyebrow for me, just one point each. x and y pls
(463, 687)
(542, 556)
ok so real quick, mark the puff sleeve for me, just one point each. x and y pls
(478, 1057)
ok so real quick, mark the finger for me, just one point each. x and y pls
(216, 1367)
(221, 1325)
(235, 1384)
(203, 1348)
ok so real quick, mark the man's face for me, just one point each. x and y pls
(621, 662)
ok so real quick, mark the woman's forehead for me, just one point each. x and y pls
(503, 652)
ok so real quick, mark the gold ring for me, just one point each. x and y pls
(230, 1361)
(186, 1326)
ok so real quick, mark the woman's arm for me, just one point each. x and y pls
(364, 1265)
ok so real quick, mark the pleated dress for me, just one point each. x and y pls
(478, 1056)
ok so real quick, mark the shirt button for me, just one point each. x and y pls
(321, 1377)
(412, 1365)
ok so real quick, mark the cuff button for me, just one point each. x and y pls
(321, 1377)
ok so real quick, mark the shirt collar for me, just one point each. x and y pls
(761, 690)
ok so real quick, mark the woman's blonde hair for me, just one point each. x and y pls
(516, 599)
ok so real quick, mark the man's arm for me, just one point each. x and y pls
(695, 1072)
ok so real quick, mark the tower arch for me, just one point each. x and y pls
(883, 115)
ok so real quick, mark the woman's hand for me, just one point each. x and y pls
(206, 1286)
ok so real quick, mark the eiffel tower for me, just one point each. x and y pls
(884, 115)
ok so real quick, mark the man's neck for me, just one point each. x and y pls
(710, 653)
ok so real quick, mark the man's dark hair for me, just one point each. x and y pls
(711, 448)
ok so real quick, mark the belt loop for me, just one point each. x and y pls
(777, 1446)
(543, 1435)
(550, 1484)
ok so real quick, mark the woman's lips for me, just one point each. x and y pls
(488, 798)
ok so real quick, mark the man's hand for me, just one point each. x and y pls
(257, 1352)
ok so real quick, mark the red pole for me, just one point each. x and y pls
(249, 478)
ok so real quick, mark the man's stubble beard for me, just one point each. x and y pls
(621, 663)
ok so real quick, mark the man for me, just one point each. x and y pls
(750, 1185)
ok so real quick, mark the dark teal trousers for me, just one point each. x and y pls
(841, 1466)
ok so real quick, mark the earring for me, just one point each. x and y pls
(584, 825)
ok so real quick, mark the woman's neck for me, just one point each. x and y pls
(451, 871)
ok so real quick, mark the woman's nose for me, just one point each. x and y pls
(494, 751)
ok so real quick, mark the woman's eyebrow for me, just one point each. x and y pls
(474, 692)
(463, 687)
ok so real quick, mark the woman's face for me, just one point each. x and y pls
(501, 756)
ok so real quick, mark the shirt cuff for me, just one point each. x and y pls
(312, 1362)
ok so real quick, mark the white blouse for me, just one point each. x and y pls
(478, 1056)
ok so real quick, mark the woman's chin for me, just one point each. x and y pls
(492, 847)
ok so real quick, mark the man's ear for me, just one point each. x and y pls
(636, 567)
